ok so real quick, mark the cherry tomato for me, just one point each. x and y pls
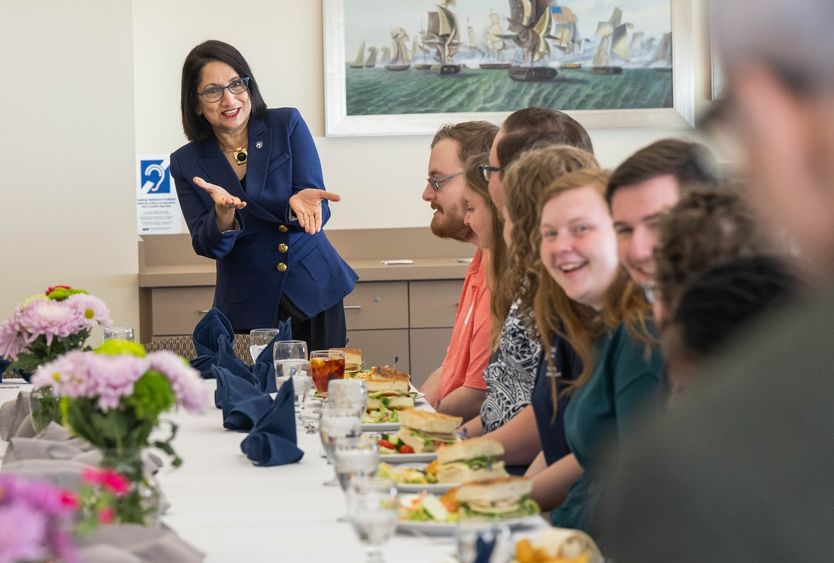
(386, 444)
(406, 449)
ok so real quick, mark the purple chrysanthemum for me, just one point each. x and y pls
(51, 319)
(91, 308)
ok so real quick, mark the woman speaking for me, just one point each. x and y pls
(251, 190)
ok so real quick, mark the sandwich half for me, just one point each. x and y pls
(470, 460)
(494, 499)
(424, 431)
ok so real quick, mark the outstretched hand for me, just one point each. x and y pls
(222, 199)
(306, 205)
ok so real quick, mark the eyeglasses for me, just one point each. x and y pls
(437, 183)
(487, 170)
(215, 93)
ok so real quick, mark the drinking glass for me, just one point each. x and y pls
(290, 360)
(373, 513)
(118, 332)
(495, 539)
(336, 423)
(326, 365)
(348, 393)
(354, 458)
(259, 338)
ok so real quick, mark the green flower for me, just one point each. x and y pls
(61, 292)
(152, 395)
(117, 347)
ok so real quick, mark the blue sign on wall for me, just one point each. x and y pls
(154, 177)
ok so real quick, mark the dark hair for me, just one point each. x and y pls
(707, 227)
(196, 127)
(532, 120)
(473, 137)
(688, 162)
(498, 249)
(728, 298)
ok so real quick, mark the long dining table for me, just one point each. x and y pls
(237, 512)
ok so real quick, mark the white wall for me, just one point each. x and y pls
(90, 83)
(67, 211)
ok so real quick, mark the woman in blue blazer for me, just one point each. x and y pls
(251, 189)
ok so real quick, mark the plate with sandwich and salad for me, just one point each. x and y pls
(470, 460)
(504, 499)
(388, 394)
(421, 433)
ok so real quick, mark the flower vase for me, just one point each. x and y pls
(140, 502)
(45, 408)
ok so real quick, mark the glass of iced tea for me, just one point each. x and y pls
(326, 365)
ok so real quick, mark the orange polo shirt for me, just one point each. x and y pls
(469, 348)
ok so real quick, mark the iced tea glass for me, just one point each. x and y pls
(325, 366)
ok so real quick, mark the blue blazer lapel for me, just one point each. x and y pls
(260, 148)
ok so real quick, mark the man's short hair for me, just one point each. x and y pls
(690, 163)
(564, 127)
(473, 137)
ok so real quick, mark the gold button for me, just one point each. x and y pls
(283, 248)
(282, 267)
(282, 228)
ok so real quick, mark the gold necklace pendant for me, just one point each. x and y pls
(240, 155)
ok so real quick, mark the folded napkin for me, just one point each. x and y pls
(273, 440)
(213, 330)
(131, 543)
(4, 363)
(240, 399)
(14, 417)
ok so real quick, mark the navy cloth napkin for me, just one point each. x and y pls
(483, 549)
(4, 363)
(273, 439)
(213, 330)
(241, 400)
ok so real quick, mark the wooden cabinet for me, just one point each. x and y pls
(177, 310)
(409, 319)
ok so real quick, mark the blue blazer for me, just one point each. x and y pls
(282, 160)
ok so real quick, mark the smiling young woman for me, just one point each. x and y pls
(586, 297)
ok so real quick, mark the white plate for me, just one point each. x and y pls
(433, 488)
(449, 528)
(380, 426)
(407, 458)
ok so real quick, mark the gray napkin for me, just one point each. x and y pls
(13, 415)
(130, 543)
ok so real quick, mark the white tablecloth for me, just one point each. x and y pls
(236, 512)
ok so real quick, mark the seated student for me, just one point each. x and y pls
(706, 228)
(506, 414)
(457, 387)
(717, 306)
(604, 318)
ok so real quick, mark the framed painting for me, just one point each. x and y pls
(404, 67)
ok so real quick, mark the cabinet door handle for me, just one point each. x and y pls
(353, 307)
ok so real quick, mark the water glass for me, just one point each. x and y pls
(337, 423)
(118, 332)
(354, 457)
(326, 365)
(491, 539)
(348, 393)
(259, 339)
(290, 360)
(373, 514)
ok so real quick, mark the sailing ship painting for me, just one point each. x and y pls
(459, 56)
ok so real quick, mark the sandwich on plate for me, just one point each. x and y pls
(421, 431)
(388, 393)
(470, 460)
(495, 499)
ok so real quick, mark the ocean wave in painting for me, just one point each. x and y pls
(377, 91)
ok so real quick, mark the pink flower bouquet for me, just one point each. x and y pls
(36, 521)
(50, 324)
(113, 398)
